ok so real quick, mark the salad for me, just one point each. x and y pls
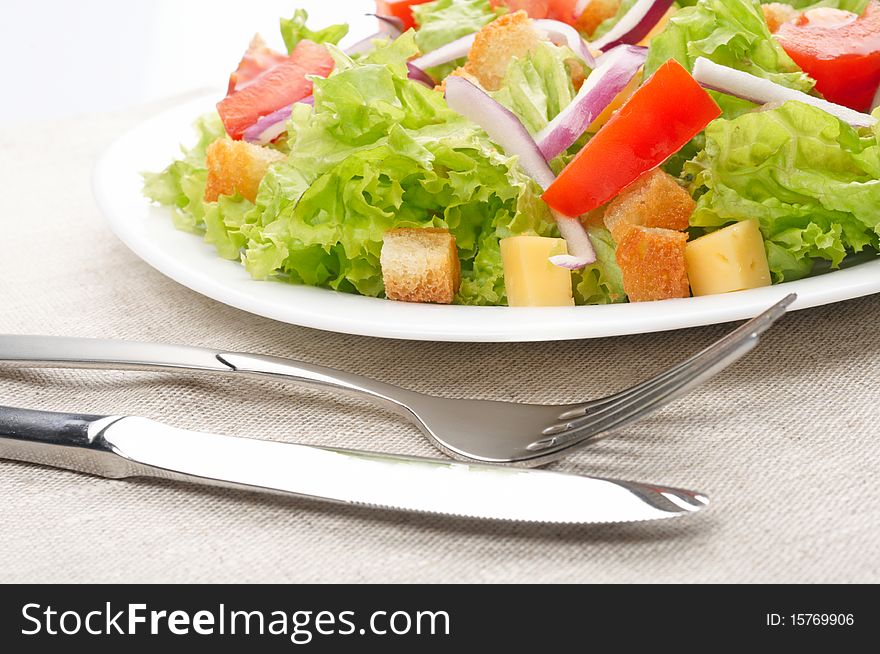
(545, 152)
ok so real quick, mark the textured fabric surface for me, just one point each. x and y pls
(785, 442)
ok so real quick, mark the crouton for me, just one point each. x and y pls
(420, 265)
(777, 13)
(458, 72)
(653, 200)
(509, 36)
(596, 12)
(653, 264)
(237, 166)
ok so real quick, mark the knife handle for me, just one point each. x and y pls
(62, 440)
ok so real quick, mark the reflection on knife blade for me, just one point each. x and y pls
(138, 447)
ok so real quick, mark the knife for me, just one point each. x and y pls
(118, 447)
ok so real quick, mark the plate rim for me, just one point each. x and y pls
(332, 311)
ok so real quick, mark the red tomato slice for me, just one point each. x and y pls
(534, 8)
(257, 60)
(563, 10)
(556, 9)
(284, 84)
(666, 112)
(841, 54)
(401, 9)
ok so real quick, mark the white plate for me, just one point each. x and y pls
(184, 257)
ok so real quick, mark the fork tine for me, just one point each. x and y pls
(755, 326)
(634, 403)
(635, 407)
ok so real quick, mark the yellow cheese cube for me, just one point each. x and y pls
(530, 278)
(731, 259)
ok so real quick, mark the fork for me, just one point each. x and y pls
(488, 431)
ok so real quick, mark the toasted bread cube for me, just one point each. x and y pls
(509, 36)
(777, 13)
(653, 200)
(420, 265)
(653, 264)
(529, 277)
(237, 166)
(458, 72)
(595, 12)
(731, 259)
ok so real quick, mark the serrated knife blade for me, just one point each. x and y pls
(121, 447)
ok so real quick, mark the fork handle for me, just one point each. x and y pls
(68, 352)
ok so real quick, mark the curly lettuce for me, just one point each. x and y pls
(182, 184)
(539, 86)
(294, 30)
(811, 180)
(223, 220)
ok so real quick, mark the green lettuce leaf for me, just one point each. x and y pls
(602, 282)
(377, 152)
(538, 86)
(294, 30)
(223, 221)
(443, 21)
(733, 34)
(811, 181)
(182, 184)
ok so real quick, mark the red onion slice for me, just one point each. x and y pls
(564, 34)
(271, 126)
(444, 54)
(761, 91)
(389, 27)
(506, 130)
(580, 249)
(418, 75)
(635, 25)
(615, 70)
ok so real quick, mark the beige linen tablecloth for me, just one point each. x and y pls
(785, 443)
